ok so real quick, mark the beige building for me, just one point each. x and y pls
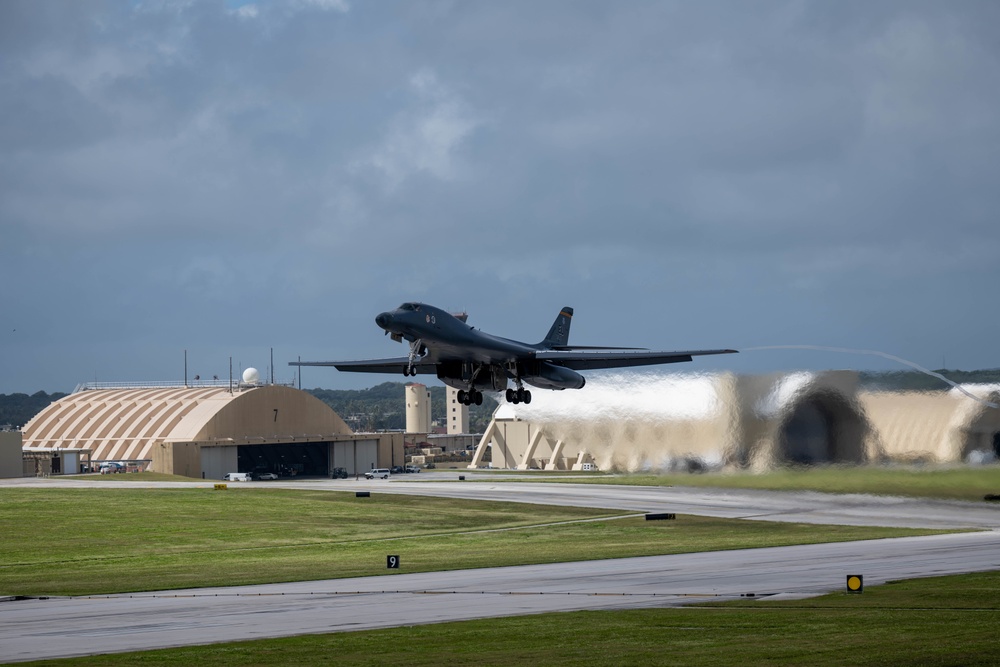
(209, 431)
(458, 414)
(632, 422)
(418, 408)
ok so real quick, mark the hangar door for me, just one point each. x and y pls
(285, 460)
(355, 456)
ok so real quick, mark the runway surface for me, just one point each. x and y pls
(58, 627)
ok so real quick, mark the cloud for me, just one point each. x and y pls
(427, 136)
(728, 171)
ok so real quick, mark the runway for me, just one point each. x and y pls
(60, 627)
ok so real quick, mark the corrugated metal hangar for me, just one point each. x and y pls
(209, 431)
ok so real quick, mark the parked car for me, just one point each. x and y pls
(267, 475)
(378, 473)
(396, 470)
(237, 477)
(338, 473)
(412, 468)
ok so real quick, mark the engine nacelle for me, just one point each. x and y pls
(460, 375)
(549, 376)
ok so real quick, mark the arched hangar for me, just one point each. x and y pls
(634, 422)
(208, 431)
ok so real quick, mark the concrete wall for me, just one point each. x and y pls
(11, 459)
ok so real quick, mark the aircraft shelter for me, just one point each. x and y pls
(758, 422)
(210, 430)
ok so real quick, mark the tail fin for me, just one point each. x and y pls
(558, 335)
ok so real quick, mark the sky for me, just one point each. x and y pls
(228, 178)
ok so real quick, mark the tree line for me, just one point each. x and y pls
(16, 410)
(383, 407)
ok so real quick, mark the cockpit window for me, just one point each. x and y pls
(410, 306)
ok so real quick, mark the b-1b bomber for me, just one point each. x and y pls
(470, 360)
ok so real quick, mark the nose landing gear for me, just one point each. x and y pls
(417, 349)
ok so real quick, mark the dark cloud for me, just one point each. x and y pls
(240, 175)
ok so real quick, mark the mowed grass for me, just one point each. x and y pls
(96, 540)
(964, 483)
(941, 621)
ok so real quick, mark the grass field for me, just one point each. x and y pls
(962, 483)
(941, 621)
(95, 540)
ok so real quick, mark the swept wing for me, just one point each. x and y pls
(392, 365)
(586, 360)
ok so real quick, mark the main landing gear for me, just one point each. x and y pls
(519, 395)
(470, 397)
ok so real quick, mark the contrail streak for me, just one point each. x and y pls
(875, 353)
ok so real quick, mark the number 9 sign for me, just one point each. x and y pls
(392, 562)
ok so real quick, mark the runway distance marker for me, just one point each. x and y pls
(221, 487)
(363, 494)
(855, 583)
(392, 562)
(668, 516)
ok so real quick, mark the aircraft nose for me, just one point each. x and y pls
(383, 319)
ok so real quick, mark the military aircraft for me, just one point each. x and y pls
(470, 360)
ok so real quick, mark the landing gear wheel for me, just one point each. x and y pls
(479, 398)
(461, 397)
(527, 397)
(510, 395)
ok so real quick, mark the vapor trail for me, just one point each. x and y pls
(875, 353)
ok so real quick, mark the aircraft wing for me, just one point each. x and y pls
(394, 365)
(582, 361)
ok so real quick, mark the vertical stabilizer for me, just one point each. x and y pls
(558, 335)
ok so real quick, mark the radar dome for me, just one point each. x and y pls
(251, 376)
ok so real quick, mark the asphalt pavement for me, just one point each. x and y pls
(36, 629)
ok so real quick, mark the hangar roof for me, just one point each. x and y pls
(124, 423)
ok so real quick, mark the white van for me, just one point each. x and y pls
(237, 477)
(378, 473)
